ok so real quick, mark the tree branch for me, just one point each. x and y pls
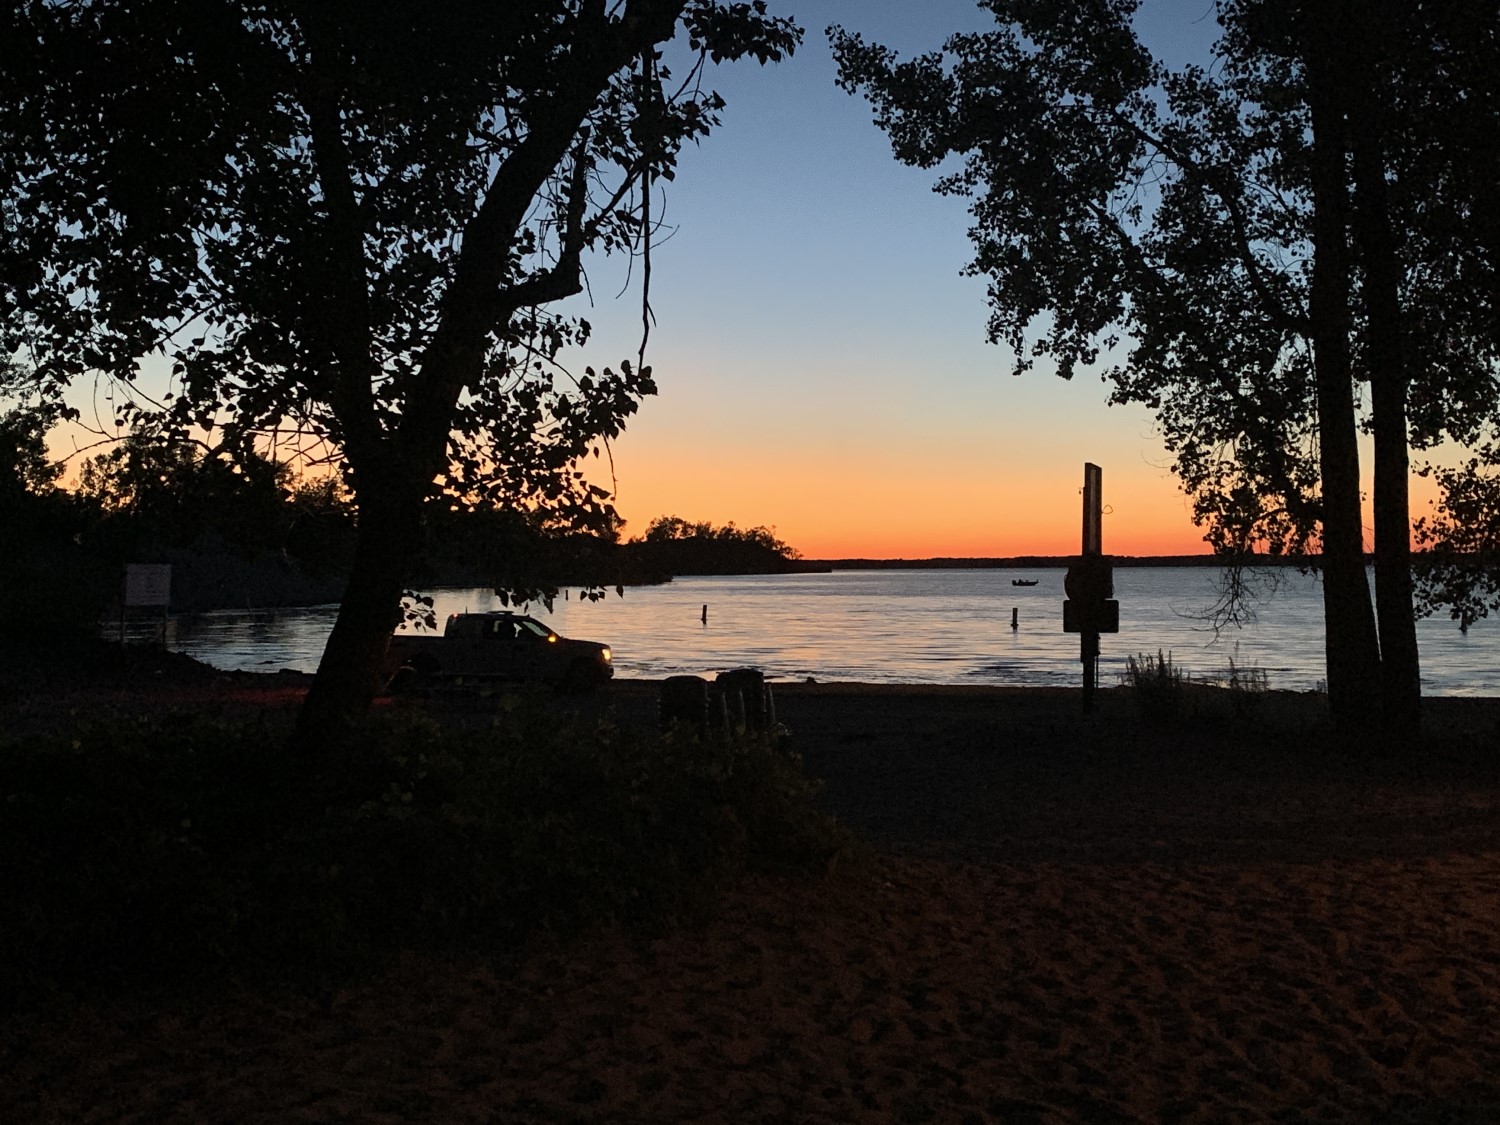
(565, 278)
(349, 330)
(1216, 182)
(470, 310)
(1249, 407)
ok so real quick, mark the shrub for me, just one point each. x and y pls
(1247, 689)
(1157, 685)
(140, 849)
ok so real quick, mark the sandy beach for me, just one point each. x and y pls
(1066, 918)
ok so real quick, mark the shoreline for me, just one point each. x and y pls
(265, 585)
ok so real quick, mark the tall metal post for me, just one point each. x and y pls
(1090, 608)
(1093, 544)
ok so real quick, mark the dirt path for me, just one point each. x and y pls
(923, 991)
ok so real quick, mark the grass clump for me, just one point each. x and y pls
(1247, 689)
(1158, 686)
(174, 847)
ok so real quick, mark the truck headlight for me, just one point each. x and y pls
(606, 655)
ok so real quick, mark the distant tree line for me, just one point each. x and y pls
(243, 529)
(239, 529)
(680, 547)
(527, 559)
(44, 566)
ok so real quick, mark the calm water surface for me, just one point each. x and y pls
(899, 626)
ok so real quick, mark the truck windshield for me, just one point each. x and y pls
(538, 629)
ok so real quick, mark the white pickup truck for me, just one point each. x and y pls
(478, 647)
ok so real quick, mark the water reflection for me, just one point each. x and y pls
(256, 640)
(937, 626)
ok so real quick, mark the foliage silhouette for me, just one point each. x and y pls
(143, 850)
(350, 219)
(673, 545)
(1221, 243)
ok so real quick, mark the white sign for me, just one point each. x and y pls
(148, 584)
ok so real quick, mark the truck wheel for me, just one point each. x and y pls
(414, 675)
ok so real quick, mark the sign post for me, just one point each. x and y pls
(1093, 509)
(1090, 586)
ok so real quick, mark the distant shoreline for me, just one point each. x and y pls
(206, 582)
(1022, 562)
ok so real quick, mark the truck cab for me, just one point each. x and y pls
(498, 646)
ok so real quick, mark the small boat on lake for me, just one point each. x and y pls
(1024, 581)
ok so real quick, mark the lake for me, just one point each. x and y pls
(898, 626)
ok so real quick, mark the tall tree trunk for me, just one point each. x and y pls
(1399, 664)
(391, 486)
(353, 662)
(1351, 646)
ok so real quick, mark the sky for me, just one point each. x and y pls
(822, 362)
(820, 357)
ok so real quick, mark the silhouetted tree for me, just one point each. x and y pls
(25, 467)
(169, 491)
(672, 545)
(1461, 569)
(350, 217)
(665, 528)
(1230, 227)
(42, 565)
(1437, 76)
(320, 525)
(1410, 91)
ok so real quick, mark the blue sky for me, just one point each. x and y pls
(822, 361)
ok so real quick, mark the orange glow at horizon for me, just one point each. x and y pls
(829, 511)
(863, 500)
(897, 514)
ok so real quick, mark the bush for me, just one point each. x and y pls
(139, 849)
(1158, 686)
(1247, 689)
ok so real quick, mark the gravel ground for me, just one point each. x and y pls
(1069, 919)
